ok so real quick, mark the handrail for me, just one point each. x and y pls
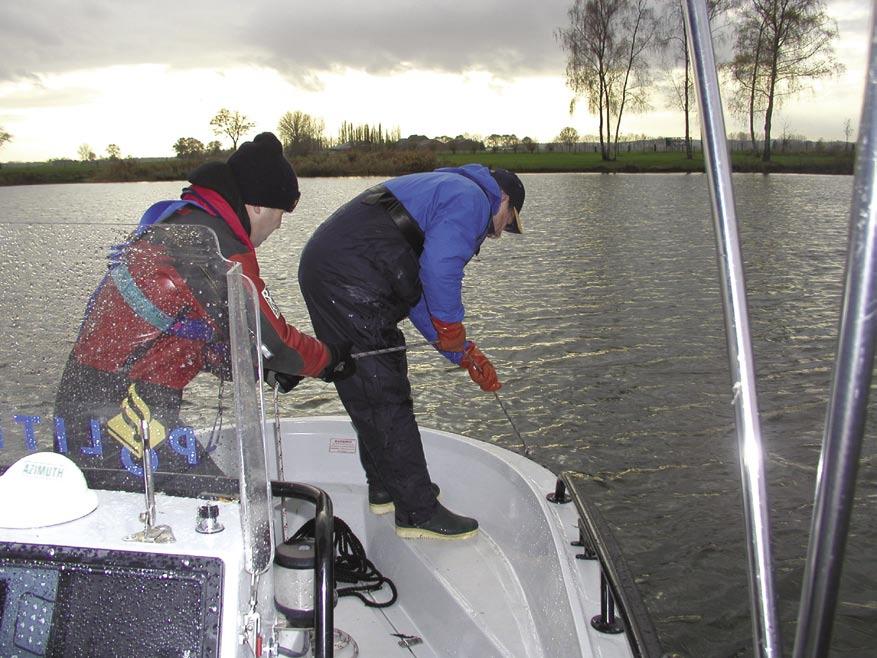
(766, 628)
(846, 416)
(640, 630)
(324, 558)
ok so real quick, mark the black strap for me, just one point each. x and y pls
(381, 196)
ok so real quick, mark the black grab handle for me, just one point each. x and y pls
(324, 559)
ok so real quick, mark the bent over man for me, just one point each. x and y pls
(398, 250)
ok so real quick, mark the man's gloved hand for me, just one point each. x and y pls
(341, 364)
(287, 382)
(480, 368)
(451, 335)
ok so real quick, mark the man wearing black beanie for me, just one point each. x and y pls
(243, 202)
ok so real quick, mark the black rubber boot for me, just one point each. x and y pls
(380, 502)
(443, 524)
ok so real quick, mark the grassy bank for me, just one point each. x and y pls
(653, 162)
(393, 163)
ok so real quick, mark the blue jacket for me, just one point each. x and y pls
(453, 207)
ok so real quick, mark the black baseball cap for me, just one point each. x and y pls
(509, 183)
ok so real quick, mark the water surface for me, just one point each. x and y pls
(604, 322)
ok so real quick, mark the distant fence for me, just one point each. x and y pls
(671, 144)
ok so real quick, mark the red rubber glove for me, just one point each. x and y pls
(451, 335)
(480, 369)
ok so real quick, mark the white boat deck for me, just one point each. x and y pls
(516, 589)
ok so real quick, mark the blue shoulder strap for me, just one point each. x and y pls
(158, 212)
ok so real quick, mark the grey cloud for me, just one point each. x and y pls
(504, 37)
(510, 37)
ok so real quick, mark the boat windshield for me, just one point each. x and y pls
(110, 334)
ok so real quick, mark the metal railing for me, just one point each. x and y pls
(617, 585)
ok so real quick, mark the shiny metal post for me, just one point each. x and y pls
(148, 483)
(765, 621)
(847, 411)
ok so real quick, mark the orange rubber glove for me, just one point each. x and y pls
(451, 335)
(480, 369)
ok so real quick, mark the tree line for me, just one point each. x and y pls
(612, 47)
(304, 134)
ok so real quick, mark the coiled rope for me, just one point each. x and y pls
(351, 565)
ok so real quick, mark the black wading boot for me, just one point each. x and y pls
(443, 524)
(380, 502)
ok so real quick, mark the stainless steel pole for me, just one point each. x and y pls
(766, 628)
(845, 420)
(148, 481)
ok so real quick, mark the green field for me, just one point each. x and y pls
(393, 162)
(660, 162)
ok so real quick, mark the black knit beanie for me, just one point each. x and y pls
(264, 176)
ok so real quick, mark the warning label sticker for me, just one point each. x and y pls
(342, 445)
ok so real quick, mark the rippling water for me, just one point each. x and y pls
(605, 324)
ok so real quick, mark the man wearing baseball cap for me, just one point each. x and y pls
(398, 250)
(514, 188)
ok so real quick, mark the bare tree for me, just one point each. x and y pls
(493, 142)
(511, 142)
(231, 124)
(4, 137)
(301, 133)
(745, 70)
(781, 45)
(848, 131)
(568, 136)
(85, 153)
(113, 152)
(675, 44)
(188, 147)
(606, 45)
(468, 142)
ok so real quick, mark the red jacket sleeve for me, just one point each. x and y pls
(292, 352)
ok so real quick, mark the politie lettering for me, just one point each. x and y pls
(181, 440)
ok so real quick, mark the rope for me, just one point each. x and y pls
(216, 430)
(351, 564)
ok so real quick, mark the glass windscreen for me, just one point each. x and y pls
(110, 335)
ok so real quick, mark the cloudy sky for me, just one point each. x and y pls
(141, 75)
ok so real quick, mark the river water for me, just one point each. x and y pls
(604, 322)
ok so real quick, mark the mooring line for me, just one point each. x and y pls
(525, 448)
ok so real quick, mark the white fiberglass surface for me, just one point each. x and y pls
(516, 589)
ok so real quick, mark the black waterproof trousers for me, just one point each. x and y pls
(359, 277)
